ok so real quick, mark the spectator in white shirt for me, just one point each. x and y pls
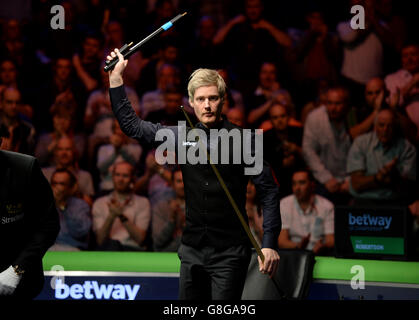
(307, 218)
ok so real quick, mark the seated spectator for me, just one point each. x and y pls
(254, 212)
(65, 157)
(250, 39)
(326, 143)
(121, 148)
(156, 180)
(307, 218)
(20, 133)
(121, 219)
(236, 116)
(87, 63)
(321, 88)
(75, 219)
(282, 147)
(362, 117)
(63, 125)
(168, 76)
(168, 217)
(382, 164)
(404, 83)
(171, 113)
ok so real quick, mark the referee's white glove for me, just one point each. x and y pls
(9, 280)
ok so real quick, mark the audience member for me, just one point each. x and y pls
(404, 83)
(63, 125)
(282, 147)
(382, 164)
(307, 218)
(326, 142)
(65, 157)
(74, 213)
(236, 116)
(20, 134)
(120, 148)
(168, 217)
(121, 219)
(251, 40)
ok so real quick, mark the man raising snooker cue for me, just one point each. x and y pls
(215, 250)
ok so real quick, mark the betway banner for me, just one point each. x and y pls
(92, 285)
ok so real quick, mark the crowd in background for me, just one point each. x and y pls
(339, 108)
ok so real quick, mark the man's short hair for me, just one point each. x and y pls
(206, 77)
(307, 171)
(73, 179)
(340, 87)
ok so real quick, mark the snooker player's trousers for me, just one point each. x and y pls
(212, 274)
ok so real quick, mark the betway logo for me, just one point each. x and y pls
(92, 290)
(368, 220)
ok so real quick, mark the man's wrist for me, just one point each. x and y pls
(116, 81)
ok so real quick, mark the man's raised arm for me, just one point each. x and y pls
(130, 123)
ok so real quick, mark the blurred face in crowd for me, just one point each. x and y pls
(267, 75)
(170, 54)
(12, 30)
(61, 122)
(302, 186)
(61, 186)
(279, 117)
(91, 48)
(64, 152)
(315, 19)
(410, 59)
(167, 77)
(384, 126)
(166, 10)
(236, 117)
(373, 88)
(63, 69)
(207, 104)
(254, 10)
(8, 73)
(11, 102)
(178, 184)
(336, 104)
(122, 177)
(173, 101)
(114, 32)
(207, 29)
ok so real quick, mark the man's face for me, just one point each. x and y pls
(122, 177)
(7, 73)
(384, 127)
(61, 123)
(64, 152)
(254, 10)
(302, 187)
(10, 103)
(207, 105)
(60, 185)
(91, 48)
(267, 75)
(171, 54)
(63, 69)
(372, 90)
(167, 77)
(173, 101)
(178, 184)
(279, 117)
(114, 32)
(336, 105)
(207, 29)
(410, 59)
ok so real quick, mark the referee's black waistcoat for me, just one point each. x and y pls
(210, 217)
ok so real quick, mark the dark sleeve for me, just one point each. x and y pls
(131, 124)
(268, 194)
(43, 220)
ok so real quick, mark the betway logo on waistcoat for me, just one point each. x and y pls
(92, 290)
(367, 220)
